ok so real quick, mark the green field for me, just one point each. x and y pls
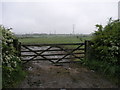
(54, 39)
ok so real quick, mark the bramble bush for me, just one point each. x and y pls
(105, 53)
(107, 42)
(107, 47)
(11, 63)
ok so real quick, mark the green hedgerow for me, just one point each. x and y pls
(11, 64)
(107, 42)
(105, 51)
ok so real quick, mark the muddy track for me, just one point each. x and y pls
(44, 74)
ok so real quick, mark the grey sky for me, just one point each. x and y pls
(50, 16)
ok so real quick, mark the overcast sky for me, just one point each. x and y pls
(50, 16)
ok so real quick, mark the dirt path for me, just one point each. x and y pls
(45, 75)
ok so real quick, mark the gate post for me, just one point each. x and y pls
(87, 48)
(19, 49)
(15, 43)
(17, 46)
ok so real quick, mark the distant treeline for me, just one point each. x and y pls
(47, 35)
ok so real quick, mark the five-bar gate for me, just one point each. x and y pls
(55, 53)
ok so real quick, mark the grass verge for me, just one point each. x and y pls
(105, 69)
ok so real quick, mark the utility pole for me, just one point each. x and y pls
(50, 33)
(54, 31)
(73, 29)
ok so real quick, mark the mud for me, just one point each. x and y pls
(43, 74)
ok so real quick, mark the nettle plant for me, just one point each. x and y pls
(9, 57)
(107, 42)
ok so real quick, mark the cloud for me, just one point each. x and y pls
(46, 17)
(60, 1)
(0, 13)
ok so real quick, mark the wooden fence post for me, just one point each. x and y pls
(19, 49)
(87, 48)
(16, 45)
